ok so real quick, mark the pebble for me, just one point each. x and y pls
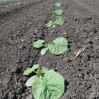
(96, 67)
(92, 96)
(20, 85)
(19, 91)
(6, 78)
(18, 60)
(96, 76)
(29, 96)
(22, 47)
(13, 68)
(11, 95)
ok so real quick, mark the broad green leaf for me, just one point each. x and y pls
(57, 12)
(44, 50)
(31, 80)
(61, 41)
(35, 66)
(51, 86)
(30, 70)
(57, 4)
(38, 43)
(59, 20)
(49, 24)
(55, 83)
(27, 71)
(39, 89)
(59, 46)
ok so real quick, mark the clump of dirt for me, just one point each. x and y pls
(19, 30)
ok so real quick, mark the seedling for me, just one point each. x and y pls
(57, 4)
(58, 20)
(47, 85)
(57, 12)
(57, 47)
(51, 24)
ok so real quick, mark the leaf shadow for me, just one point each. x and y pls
(66, 84)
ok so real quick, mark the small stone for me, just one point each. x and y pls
(96, 67)
(92, 96)
(11, 95)
(89, 18)
(23, 94)
(19, 85)
(19, 91)
(94, 30)
(24, 79)
(6, 78)
(93, 88)
(22, 47)
(88, 40)
(13, 68)
(29, 97)
(96, 76)
(0, 92)
(18, 60)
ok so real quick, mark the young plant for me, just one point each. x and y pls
(57, 47)
(57, 12)
(46, 84)
(57, 4)
(58, 20)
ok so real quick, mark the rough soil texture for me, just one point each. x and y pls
(21, 27)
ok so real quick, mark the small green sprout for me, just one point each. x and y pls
(57, 12)
(58, 20)
(50, 24)
(57, 4)
(48, 85)
(57, 47)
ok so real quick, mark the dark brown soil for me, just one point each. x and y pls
(22, 26)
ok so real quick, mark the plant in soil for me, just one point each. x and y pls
(57, 4)
(46, 84)
(56, 47)
(58, 20)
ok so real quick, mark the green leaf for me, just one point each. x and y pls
(57, 4)
(31, 80)
(27, 71)
(59, 20)
(59, 46)
(30, 70)
(38, 43)
(44, 50)
(53, 26)
(38, 88)
(38, 72)
(35, 66)
(57, 12)
(55, 83)
(51, 86)
(49, 24)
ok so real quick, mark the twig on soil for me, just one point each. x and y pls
(15, 80)
(81, 50)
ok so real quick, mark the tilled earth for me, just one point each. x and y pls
(21, 27)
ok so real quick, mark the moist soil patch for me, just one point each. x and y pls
(19, 29)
